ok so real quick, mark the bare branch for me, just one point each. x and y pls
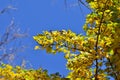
(7, 9)
(11, 34)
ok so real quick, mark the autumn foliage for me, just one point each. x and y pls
(94, 56)
(8, 72)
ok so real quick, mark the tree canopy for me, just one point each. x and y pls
(93, 56)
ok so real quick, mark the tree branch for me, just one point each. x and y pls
(115, 74)
(96, 46)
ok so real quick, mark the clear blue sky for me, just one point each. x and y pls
(40, 15)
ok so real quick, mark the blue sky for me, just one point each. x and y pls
(40, 15)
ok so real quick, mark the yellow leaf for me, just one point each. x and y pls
(37, 47)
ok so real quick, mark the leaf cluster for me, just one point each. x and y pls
(94, 55)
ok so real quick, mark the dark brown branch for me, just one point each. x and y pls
(84, 4)
(96, 46)
(115, 74)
